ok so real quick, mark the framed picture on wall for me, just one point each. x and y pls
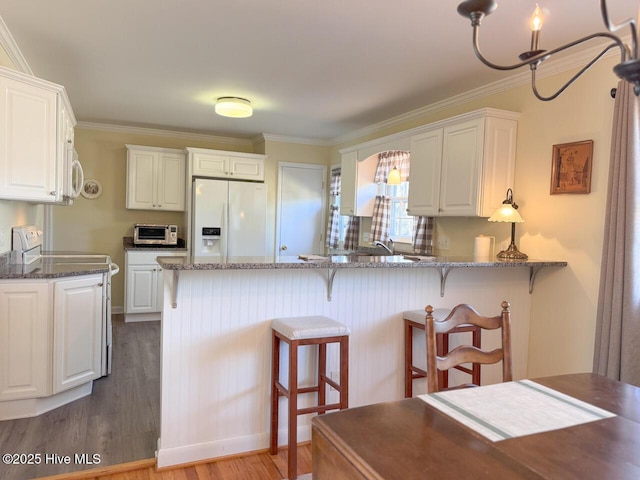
(571, 167)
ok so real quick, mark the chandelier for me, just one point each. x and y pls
(628, 69)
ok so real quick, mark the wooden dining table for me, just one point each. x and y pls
(411, 439)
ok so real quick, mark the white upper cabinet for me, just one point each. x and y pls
(155, 178)
(223, 164)
(36, 130)
(463, 167)
(357, 188)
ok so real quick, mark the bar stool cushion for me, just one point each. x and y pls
(419, 316)
(302, 328)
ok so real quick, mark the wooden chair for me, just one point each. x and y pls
(465, 315)
(415, 320)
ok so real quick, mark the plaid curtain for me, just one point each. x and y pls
(381, 218)
(423, 234)
(352, 235)
(335, 183)
(393, 158)
(333, 232)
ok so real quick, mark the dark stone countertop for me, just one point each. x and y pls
(341, 261)
(127, 244)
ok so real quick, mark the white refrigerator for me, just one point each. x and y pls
(229, 218)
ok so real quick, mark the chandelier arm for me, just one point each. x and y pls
(571, 80)
(536, 59)
(613, 28)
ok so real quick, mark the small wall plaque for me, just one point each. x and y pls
(571, 167)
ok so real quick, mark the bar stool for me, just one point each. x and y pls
(298, 332)
(416, 319)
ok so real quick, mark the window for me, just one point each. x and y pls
(401, 224)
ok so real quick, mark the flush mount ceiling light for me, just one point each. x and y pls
(234, 107)
(628, 69)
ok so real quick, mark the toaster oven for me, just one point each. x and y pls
(151, 234)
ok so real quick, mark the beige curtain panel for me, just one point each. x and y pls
(617, 342)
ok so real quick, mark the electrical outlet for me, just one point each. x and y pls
(443, 243)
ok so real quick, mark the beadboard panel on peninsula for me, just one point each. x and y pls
(216, 343)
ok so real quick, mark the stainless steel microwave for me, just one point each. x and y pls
(150, 234)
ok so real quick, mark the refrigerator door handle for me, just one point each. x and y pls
(225, 235)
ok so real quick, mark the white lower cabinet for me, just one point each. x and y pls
(77, 335)
(144, 284)
(51, 337)
(25, 340)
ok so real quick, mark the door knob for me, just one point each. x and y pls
(283, 248)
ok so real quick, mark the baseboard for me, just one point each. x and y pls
(32, 407)
(169, 458)
(117, 309)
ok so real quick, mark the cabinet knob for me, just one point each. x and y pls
(53, 193)
(283, 248)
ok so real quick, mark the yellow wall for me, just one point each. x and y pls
(557, 227)
(98, 225)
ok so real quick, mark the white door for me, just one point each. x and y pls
(301, 209)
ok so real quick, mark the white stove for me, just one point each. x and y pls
(27, 243)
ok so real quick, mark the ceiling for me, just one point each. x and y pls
(313, 69)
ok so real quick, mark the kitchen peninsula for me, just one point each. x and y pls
(216, 334)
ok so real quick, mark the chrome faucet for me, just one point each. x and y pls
(378, 243)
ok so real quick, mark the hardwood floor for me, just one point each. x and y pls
(259, 466)
(119, 421)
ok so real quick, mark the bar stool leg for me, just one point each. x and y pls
(322, 372)
(275, 373)
(292, 470)
(344, 372)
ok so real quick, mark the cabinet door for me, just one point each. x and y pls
(498, 165)
(348, 181)
(142, 289)
(210, 165)
(25, 341)
(461, 168)
(424, 179)
(77, 331)
(29, 160)
(171, 182)
(141, 179)
(246, 168)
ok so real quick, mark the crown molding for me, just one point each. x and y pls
(318, 142)
(549, 68)
(10, 46)
(106, 127)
